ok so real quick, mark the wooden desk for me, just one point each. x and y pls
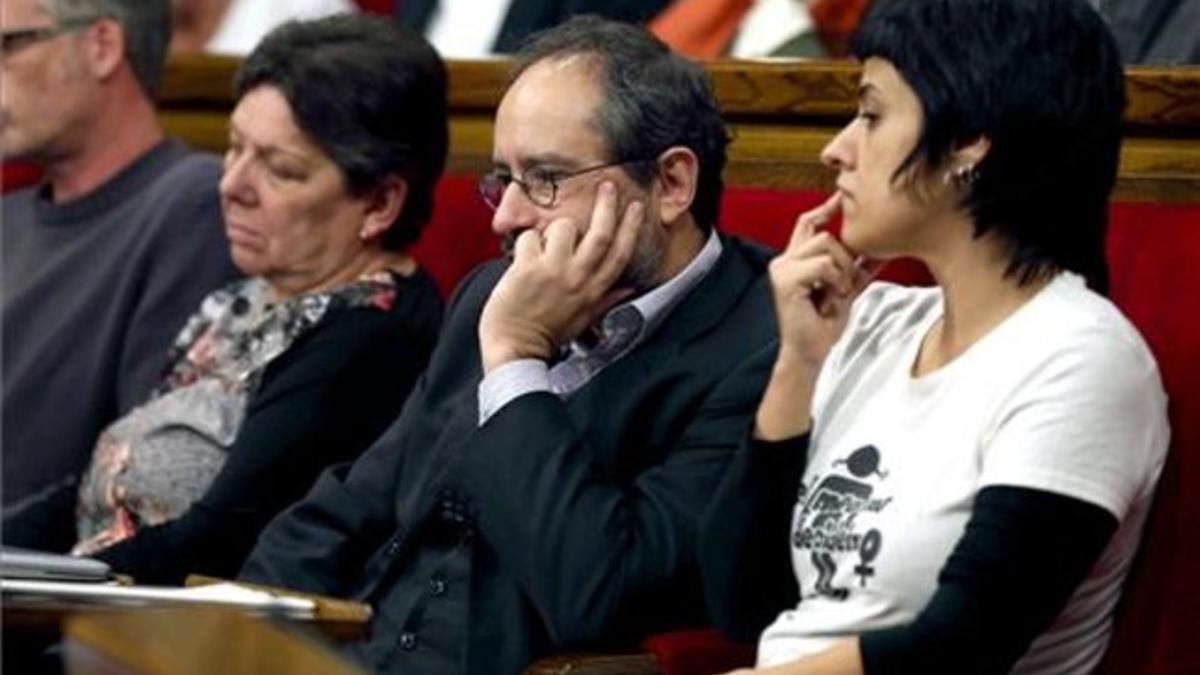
(119, 638)
(193, 642)
(144, 641)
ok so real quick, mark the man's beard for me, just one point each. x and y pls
(640, 273)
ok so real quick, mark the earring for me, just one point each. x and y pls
(961, 176)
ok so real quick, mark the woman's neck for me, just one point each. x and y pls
(366, 262)
(977, 295)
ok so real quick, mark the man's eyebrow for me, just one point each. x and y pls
(553, 159)
(545, 159)
(867, 90)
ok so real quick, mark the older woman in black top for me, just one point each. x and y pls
(335, 145)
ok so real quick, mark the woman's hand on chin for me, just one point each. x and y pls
(814, 281)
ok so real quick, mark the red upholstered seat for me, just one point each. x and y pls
(459, 236)
(698, 651)
(381, 7)
(1156, 282)
(16, 175)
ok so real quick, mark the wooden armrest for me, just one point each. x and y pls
(595, 664)
(341, 620)
(192, 642)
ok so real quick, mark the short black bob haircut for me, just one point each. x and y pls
(653, 99)
(371, 95)
(1042, 80)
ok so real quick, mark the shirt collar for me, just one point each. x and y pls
(655, 305)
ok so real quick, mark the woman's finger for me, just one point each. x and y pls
(821, 271)
(825, 244)
(808, 222)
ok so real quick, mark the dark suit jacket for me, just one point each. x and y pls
(525, 17)
(585, 511)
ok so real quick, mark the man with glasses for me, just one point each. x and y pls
(101, 262)
(542, 488)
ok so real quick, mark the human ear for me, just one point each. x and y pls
(678, 174)
(382, 205)
(104, 47)
(964, 160)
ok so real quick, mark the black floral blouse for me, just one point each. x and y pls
(151, 465)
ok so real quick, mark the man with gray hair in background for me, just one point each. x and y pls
(104, 259)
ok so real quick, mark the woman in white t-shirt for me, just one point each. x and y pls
(950, 479)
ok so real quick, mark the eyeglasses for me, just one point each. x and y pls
(14, 39)
(539, 185)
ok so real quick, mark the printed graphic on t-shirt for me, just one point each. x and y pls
(827, 528)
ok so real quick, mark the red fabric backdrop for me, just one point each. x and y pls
(383, 7)
(15, 175)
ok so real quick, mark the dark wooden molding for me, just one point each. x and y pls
(780, 113)
(198, 83)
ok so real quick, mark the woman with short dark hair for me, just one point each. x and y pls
(336, 142)
(950, 479)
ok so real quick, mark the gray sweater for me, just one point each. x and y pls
(94, 290)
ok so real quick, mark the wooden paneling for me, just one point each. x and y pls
(780, 114)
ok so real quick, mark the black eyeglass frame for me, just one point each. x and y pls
(501, 181)
(15, 39)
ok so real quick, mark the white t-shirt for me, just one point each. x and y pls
(1062, 396)
(246, 21)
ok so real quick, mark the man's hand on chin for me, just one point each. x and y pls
(561, 281)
